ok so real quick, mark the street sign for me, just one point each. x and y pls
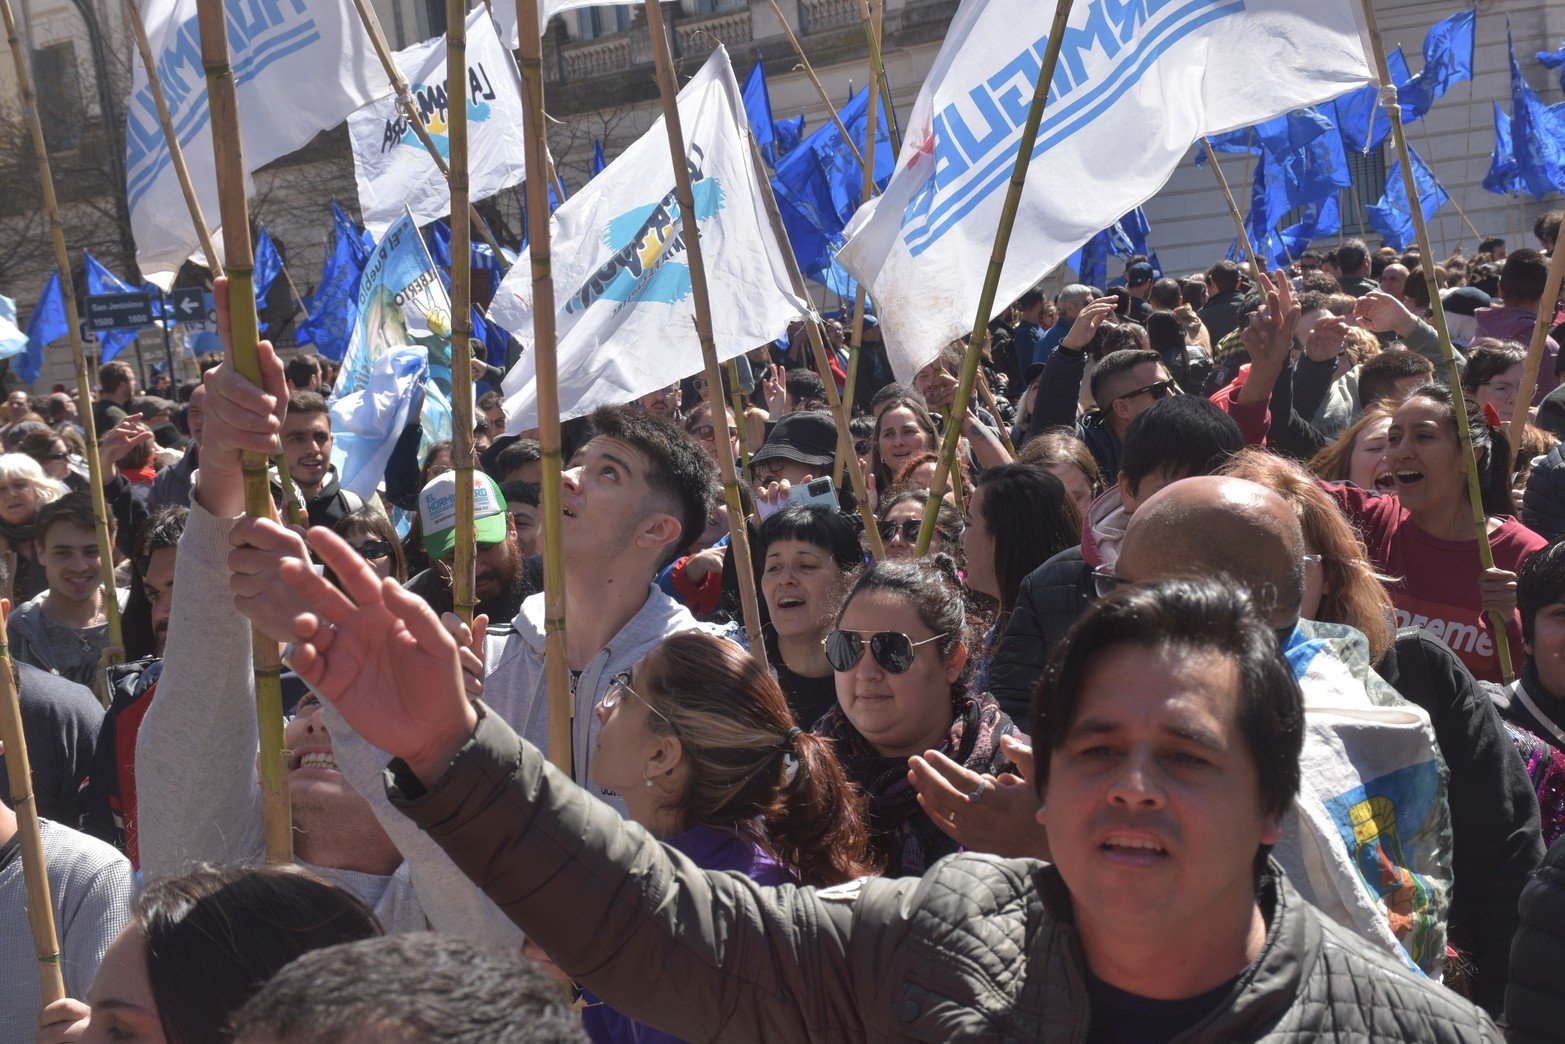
(127, 311)
(191, 305)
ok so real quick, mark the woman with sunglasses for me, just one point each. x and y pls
(903, 514)
(369, 532)
(700, 744)
(899, 654)
(804, 554)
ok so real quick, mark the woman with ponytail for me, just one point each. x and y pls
(700, 744)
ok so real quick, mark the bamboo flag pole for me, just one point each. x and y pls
(872, 27)
(1233, 207)
(739, 537)
(809, 71)
(536, 144)
(736, 395)
(871, 151)
(839, 410)
(115, 651)
(1388, 98)
(1002, 239)
(399, 84)
(239, 252)
(994, 411)
(466, 550)
(1540, 338)
(293, 288)
(35, 875)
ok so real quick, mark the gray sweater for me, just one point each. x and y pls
(90, 884)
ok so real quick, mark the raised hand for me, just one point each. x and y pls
(1002, 819)
(1379, 312)
(1326, 338)
(1269, 337)
(776, 389)
(118, 441)
(1087, 322)
(239, 417)
(381, 657)
(261, 546)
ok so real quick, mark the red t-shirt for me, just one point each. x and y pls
(1436, 585)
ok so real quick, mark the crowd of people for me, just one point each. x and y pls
(1201, 718)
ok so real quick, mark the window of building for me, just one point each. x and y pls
(593, 22)
(434, 18)
(704, 7)
(59, 87)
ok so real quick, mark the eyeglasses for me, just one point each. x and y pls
(374, 549)
(908, 528)
(891, 649)
(698, 383)
(617, 689)
(1106, 583)
(1157, 389)
(58, 456)
(708, 432)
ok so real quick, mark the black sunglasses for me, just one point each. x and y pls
(374, 549)
(908, 527)
(891, 649)
(1157, 389)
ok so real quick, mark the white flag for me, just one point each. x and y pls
(625, 314)
(12, 340)
(299, 68)
(1136, 86)
(392, 166)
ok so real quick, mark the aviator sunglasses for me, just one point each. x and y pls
(891, 649)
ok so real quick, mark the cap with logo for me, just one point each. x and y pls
(437, 513)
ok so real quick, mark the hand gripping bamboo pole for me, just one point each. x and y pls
(40, 906)
(840, 411)
(1388, 98)
(536, 144)
(1002, 239)
(399, 84)
(115, 652)
(1540, 340)
(466, 551)
(809, 71)
(688, 231)
(239, 252)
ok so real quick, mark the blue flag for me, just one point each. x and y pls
(819, 184)
(45, 325)
(1361, 121)
(1502, 177)
(1124, 239)
(1305, 157)
(1554, 60)
(1241, 140)
(1392, 217)
(775, 138)
(268, 266)
(1317, 220)
(101, 281)
(1537, 136)
(598, 162)
(1448, 59)
(334, 307)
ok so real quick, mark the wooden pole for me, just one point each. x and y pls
(1002, 239)
(466, 550)
(688, 230)
(1388, 98)
(399, 83)
(35, 875)
(1540, 337)
(840, 411)
(736, 396)
(293, 288)
(994, 411)
(536, 144)
(115, 651)
(809, 71)
(176, 151)
(871, 121)
(239, 253)
(1233, 207)
(880, 85)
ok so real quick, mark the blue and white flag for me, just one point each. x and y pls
(402, 305)
(1185, 67)
(624, 313)
(391, 165)
(12, 340)
(1361, 120)
(299, 68)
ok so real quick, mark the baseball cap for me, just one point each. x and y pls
(1139, 273)
(437, 513)
(149, 405)
(807, 437)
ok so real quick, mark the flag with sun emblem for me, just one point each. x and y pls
(624, 310)
(394, 169)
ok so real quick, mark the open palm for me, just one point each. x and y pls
(380, 655)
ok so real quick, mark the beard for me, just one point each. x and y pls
(501, 605)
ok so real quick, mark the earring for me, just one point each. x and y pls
(649, 781)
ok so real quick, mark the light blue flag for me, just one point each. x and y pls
(1502, 177)
(45, 325)
(101, 281)
(1448, 59)
(1391, 216)
(335, 304)
(1537, 136)
(12, 340)
(268, 266)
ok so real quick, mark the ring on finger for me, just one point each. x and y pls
(978, 791)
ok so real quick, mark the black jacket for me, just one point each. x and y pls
(1059, 389)
(1543, 507)
(1535, 998)
(60, 721)
(1050, 600)
(1220, 316)
(1496, 837)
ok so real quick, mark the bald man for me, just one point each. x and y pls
(1393, 280)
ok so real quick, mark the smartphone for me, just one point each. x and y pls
(817, 491)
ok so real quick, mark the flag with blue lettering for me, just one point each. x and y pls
(46, 325)
(1537, 135)
(12, 340)
(101, 281)
(402, 305)
(335, 303)
(819, 185)
(299, 68)
(598, 162)
(1554, 60)
(623, 308)
(392, 167)
(1187, 69)
(1360, 119)
(1391, 216)
(268, 266)
(1448, 59)
(1502, 177)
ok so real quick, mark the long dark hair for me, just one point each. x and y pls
(1032, 519)
(749, 764)
(1490, 445)
(158, 533)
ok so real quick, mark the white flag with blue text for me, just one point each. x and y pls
(12, 340)
(1137, 84)
(299, 68)
(623, 307)
(390, 164)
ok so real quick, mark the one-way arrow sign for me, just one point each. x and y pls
(189, 306)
